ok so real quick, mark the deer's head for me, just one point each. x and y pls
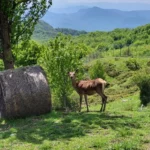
(72, 75)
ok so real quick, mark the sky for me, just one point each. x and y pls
(107, 4)
(78, 2)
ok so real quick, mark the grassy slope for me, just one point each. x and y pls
(122, 126)
(121, 85)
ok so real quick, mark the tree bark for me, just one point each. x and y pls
(6, 42)
(24, 92)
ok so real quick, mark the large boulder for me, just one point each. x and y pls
(24, 92)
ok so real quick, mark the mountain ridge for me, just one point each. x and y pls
(96, 18)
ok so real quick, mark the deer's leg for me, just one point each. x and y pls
(80, 103)
(102, 96)
(104, 99)
(102, 105)
(85, 96)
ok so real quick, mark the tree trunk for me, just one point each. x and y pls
(6, 42)
(24, 92)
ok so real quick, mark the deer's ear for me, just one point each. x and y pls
(76, 71)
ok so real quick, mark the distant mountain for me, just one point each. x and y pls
(68, 9)
(95, 18)
(43, 31)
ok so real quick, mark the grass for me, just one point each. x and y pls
(123, 126)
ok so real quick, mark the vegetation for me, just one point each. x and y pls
(27, 53)
(62, 56)
(70, 31)
(17, 21)
(143, 82)
(97, 70)
(125, 41)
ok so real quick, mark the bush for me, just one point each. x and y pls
(143, 82)
(97, 70)
(26, 54)
(148, 63)
(132, 64)
(59, 57)
(111, 70)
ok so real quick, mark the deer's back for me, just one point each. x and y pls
(89, 87)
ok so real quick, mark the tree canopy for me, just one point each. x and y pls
(17, 21)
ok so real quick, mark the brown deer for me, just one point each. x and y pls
(89, 87)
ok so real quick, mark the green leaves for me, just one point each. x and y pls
(27, 53)
(97, 70)
(60, 56)
(142, 79)
(22, 16)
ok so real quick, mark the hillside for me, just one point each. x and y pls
(95, 18)
(116, 39)
(43, 31)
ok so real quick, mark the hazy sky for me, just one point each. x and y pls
(114, 4)
(113, 1)
(69, 2)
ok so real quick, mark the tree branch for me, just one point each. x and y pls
(16, 3)
(1, 55)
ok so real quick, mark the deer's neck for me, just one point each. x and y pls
(74, 83)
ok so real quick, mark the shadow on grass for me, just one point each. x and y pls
(57, 125)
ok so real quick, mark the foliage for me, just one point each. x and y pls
(17, 21)
(111, 70)
(70, 31)
(102, 47)
(132, 64)
(61, 55)
(27, 53)
(1, 65)
(143, 82)
(23, 15)
(118, 39)
(97, 70)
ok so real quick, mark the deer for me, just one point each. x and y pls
(89, 87)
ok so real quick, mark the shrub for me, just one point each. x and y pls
(148, 63)
(59, 57)
(97, 70)
(111, 70)
(143, 82)
(132, 64)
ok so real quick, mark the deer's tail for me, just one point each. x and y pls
(105, 85)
